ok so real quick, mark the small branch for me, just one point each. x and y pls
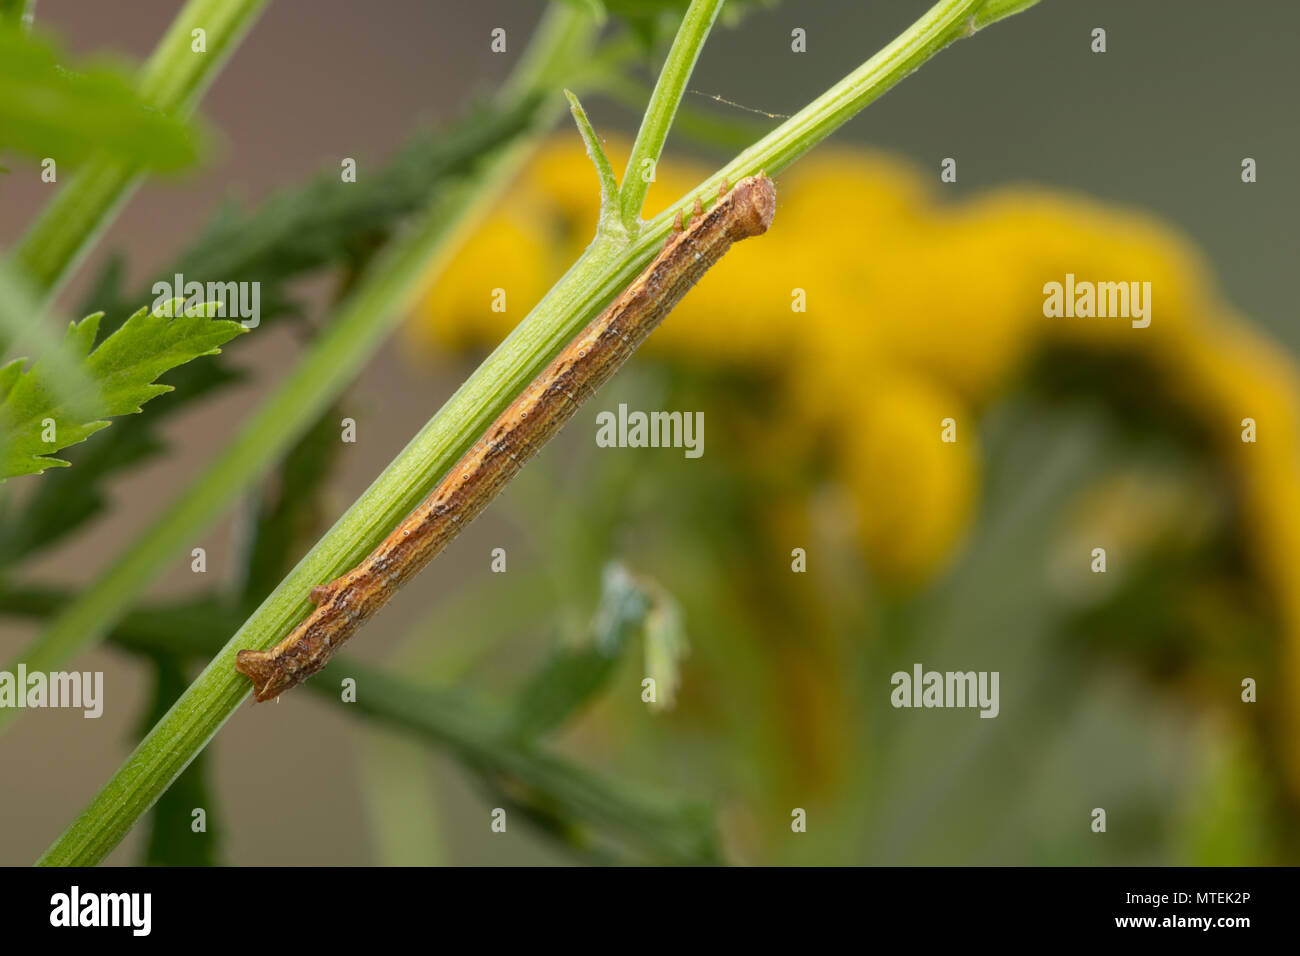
(20, 12)
(995, 10)
(658, 119)
(609, 220)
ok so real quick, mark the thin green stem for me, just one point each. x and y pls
(172, 80)
(658, 119)
(608, 221)
(995, 10)
(604, 269)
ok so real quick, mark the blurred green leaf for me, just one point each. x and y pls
(48, 110)
(665, 646)
(25, 328)
(406, 827)
(573, 675)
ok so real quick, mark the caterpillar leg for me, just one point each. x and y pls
(320, 592)
(262, 668)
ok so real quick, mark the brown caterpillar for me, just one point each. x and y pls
(532, 419)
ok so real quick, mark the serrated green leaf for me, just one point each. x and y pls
(121, 374)
(9, 375)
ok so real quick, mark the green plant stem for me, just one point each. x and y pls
(605, 268)
(604, 172)
(995, 10)
(658, 118)
(172, 80)
(19, 12)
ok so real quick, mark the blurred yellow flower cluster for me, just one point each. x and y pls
(916, 312)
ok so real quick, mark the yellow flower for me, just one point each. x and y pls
(914, 492)
(509, 253)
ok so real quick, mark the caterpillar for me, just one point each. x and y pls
(531, 420)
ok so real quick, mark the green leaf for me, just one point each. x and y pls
(326, 222)
(573, 675)
(48, 110)
(629, 606)
(121, 373)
